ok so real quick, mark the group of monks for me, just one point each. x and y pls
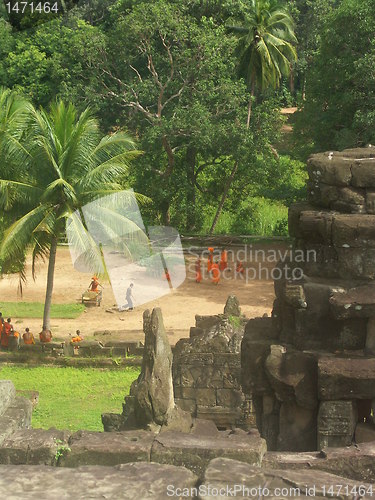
(7, 332)
(215, 267)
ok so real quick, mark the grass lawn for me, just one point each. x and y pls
(72, 398)
(35, 310)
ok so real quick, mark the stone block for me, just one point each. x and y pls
(7, 394)
(336, 423)
(205, 397)
(229, 397)
(370, 201)
(232, 306)
(127, 482)
(354, 231)
(353, 462)
(195, 332)
(346, 378)
(370, 337)
(34, 447)
(187, 405)
(364, 173)
(260, 329)
(253, 376)
(223, 474)
(195, 452)
(108, 448)
(223, 416)
(207, 322)
(293, 376)
(294, 216)
(320, 331)
(297, 428)
(316, 226)
(335, 171)
(358, 302)
(364, 433)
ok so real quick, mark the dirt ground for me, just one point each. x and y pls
(179, 307)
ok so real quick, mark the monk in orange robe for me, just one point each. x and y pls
(239, 268)
(215, 271)
(45, 336)
(28, 337)
(223, 260)
(94, 285)
(167, 276)
(78, 337)
(198, 271)
(7, 330)
(210, 259)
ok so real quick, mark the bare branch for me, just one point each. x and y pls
(137, 73)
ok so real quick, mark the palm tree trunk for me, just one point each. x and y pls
(50, 276)
(249, 109)
(223, 198)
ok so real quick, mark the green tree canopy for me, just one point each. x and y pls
(339, 110)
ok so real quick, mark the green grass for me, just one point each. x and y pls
(35, 310)
(72, 398)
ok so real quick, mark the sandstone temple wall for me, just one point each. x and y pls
(310, 369)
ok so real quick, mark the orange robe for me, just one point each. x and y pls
(6, 330)
(28, 338)
(198, 272)
(94, 286)
(76, 339)
(215, 274)
(223, 260)
(45, 336)
(239, 268)
(210, 262)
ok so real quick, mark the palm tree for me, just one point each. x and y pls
(266, 53)
(266, 49)
(66, 165)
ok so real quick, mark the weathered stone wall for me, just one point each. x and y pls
(207, 370)
(309, 369)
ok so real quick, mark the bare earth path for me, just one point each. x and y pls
(179, 307)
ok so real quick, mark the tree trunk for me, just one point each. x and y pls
(166, 216)
(191, 154)
(50, 276)
(249, 109)
(223, 198)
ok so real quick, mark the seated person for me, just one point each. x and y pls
(77, 337)
(45, 336)
(94, 285)
(28, 337)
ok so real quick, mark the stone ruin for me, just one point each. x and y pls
(308, 372)
(207, 369)
(310, 369)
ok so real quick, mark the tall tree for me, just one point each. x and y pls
(67, 164)
(339, 111)
(266, 49)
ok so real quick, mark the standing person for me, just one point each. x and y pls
(198, 271)
(223, 260)
(239, 268)
(28, 337)
(210, 259)
(7, 331)
(129, 298)
(215, 271)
